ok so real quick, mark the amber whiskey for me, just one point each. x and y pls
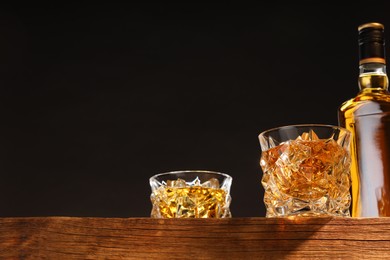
(189, 202)
(367, 116)
(307, 177)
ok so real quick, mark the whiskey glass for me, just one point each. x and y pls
(306, 170)
(190, 194)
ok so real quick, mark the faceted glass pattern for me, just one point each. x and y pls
(191, 194)
(306, 171)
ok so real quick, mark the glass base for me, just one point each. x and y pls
(323, 207)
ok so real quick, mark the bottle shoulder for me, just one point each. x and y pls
(366, 103)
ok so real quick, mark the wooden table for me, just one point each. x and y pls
(235, 238)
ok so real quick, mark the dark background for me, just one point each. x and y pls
(96, 99)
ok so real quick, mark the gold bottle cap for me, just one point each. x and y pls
(371, 25)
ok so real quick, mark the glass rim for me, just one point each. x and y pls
(227, 176)
(263, 133)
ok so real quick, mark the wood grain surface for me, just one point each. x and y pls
(235, 238)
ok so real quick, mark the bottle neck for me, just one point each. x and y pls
(372, 61)
(373, 76)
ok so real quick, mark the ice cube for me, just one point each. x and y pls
(212, 183)
(186, 207)
(179, 183)
(311, 135)
(293, 154)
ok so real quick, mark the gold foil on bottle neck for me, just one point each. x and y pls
(372, 60)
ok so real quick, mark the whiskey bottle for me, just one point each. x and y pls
(367, 116)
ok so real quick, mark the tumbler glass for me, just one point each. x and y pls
(306, 170)
(191, 194)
